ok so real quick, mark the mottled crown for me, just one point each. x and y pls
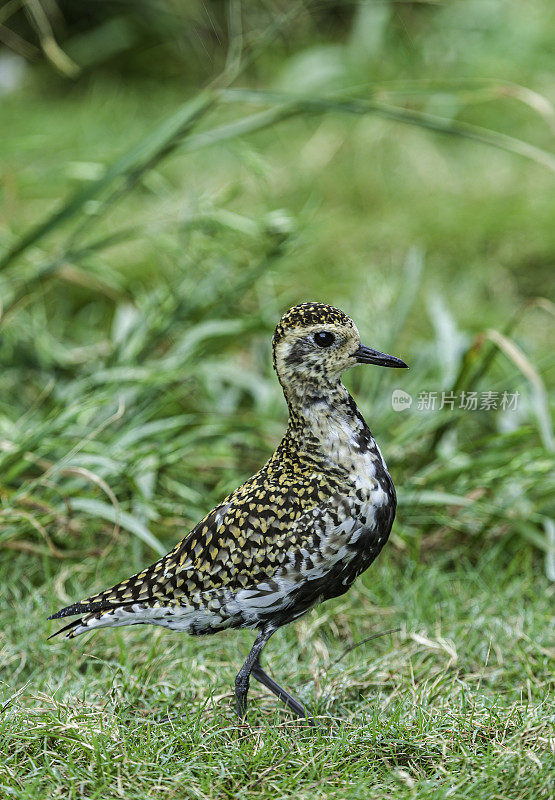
(306, 314)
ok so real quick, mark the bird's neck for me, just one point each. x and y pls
(309, 399)
(324, 422)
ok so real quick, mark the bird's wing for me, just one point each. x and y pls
(253, 532)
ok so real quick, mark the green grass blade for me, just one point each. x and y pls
(106, 511)
(138, 159)
(414, 117)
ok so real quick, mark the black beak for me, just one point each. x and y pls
(366, 355)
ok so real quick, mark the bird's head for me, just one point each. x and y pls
(315, 343)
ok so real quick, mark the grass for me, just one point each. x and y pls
(456, 702)
(137, 391)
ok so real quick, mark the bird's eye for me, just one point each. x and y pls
(324, 338)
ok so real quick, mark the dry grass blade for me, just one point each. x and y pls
(52, 50)
(524, 364)
(362, 641)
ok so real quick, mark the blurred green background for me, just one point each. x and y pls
(174, 177)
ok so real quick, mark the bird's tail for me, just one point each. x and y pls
(112, 606)
(95, 615)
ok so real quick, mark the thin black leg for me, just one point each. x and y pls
(285, 697)
(242, 679)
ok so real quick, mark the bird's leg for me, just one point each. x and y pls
(285, 697)
(242, 678)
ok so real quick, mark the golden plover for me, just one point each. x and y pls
(295, 534)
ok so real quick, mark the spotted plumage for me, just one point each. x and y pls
(296, 533)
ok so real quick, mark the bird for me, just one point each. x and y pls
(297, 533)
